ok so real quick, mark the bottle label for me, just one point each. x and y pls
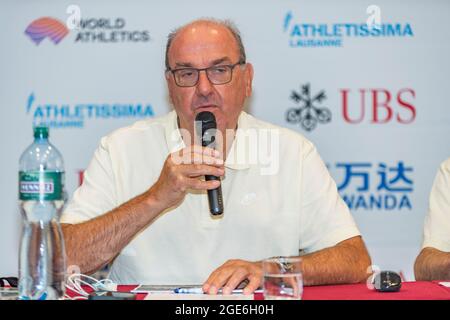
(41, 185)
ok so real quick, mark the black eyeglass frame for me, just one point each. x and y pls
(231, 66)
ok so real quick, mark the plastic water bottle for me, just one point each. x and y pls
(42, 258)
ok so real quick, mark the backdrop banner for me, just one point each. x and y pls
(367, 84)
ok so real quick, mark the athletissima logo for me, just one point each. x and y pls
(66, 115)
(310, 111)
(320, 34)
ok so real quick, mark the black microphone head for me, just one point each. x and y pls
(206, 118)
(387, 281)
(206, 127)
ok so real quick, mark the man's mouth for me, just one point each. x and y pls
(209, 107)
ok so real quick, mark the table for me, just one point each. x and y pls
(418, 290)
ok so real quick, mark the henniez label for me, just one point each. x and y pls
(40, 185)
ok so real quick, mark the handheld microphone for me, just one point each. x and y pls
(208, 135)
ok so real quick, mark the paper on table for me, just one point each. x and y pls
(191, 296)
(180, 289)
(143, 288)
(445, 284)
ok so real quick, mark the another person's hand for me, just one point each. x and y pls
(229, 275)
(184, 170)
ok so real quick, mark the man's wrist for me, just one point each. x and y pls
(153, 202)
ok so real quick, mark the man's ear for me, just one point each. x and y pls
(167, 75)
(248, 79)
(170, 84)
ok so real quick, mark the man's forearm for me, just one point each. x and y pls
(92, 244)
(432, 264)
(347, 262)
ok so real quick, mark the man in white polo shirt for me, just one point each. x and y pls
(433, 262)
(148, 213)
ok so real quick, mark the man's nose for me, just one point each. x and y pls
(204, 86)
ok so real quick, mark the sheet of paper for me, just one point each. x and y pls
(170, 289)
(180, 296)
(157, 288)
(165, 287)
(445, 284)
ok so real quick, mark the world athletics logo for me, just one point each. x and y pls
(86, 30)
(45, 27)
(333, 34)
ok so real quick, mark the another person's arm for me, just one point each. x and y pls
(432, 264)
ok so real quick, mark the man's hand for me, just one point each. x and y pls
(231, 274)
(184, 170)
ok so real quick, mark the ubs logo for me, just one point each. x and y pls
(310, 110)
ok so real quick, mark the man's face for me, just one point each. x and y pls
(202, 45)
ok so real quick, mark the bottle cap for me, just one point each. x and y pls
(41, 132)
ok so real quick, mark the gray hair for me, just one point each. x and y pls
(228, 24)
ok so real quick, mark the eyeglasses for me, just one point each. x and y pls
(188, 77)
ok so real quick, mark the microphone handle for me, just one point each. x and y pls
(215, 197)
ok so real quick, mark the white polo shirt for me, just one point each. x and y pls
(295, 207)
(437, 221)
